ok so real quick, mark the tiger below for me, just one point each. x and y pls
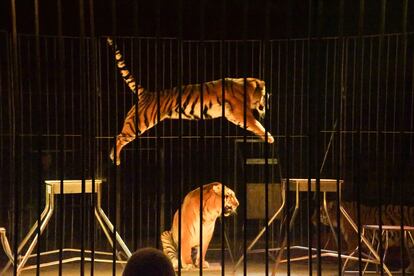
(390, 215)
(190, 224)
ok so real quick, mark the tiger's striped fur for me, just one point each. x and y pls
(185, 103)
(190, 224)
(390, 215)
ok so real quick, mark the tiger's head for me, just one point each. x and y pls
(256, 95)
(213, 195)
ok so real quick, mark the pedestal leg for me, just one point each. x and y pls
(34, 242)
(364, 240)
(256, 239)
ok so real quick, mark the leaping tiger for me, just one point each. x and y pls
(190, 107)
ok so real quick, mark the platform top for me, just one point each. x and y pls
(72, 186)
(326, 185)
(389, 227)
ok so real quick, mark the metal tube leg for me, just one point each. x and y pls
(366, 242)
(347, 259)
(5, 244)
(226, 239)
(104, 229)
(261, 232)
(33, 229)
(282, 247)
(34, 242)
(101, 213)
(7, 250)
(29, 234)
(386, 244)
(369, 254)
(411, 236)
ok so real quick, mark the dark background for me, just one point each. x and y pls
(128, 17)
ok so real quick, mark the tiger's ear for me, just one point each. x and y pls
(217, 188)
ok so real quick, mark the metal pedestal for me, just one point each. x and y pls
(301, 185)
(52, 189)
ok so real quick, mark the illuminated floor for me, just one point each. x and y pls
(253, 270)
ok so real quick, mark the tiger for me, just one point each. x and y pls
(190, 224)
(190, 108)
(390, 215)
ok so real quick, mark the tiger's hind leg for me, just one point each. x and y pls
(121, 141)
(126, 136)
(169, 247)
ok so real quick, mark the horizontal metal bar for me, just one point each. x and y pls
(261, 161)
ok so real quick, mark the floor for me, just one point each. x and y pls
(254, 268)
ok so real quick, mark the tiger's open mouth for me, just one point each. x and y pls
(228, 211)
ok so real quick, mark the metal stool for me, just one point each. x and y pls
(386, 229)
(299, 185)
(52, 189)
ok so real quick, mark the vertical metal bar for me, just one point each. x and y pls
(402, 123)
(72, 128)
(39, 131)
(61, 116)
(159, 147)
(245, 22)
(288, 140)
(114, 106)
(265, 48)
(93, 126)
(15, 91)
(83, 133)
(337, 133)
(138, 155)
(222, 128)
(201, 123)
(357, 147)
(136, 161)
(378, 133)
(314, 102)
(114, 205)
(308, 65)
(180, 124)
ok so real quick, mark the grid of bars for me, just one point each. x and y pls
(340, 107)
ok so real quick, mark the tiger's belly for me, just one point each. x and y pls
(207, 234)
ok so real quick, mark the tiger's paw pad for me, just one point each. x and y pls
(187, 266)
(111, 156)
(175, 264)
(270, 139)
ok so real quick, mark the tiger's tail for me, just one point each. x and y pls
(169, 247)
(125, 73)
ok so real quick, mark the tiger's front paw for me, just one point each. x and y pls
(205, 264)
(175, 264)
(270, 138)
(187, 266)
